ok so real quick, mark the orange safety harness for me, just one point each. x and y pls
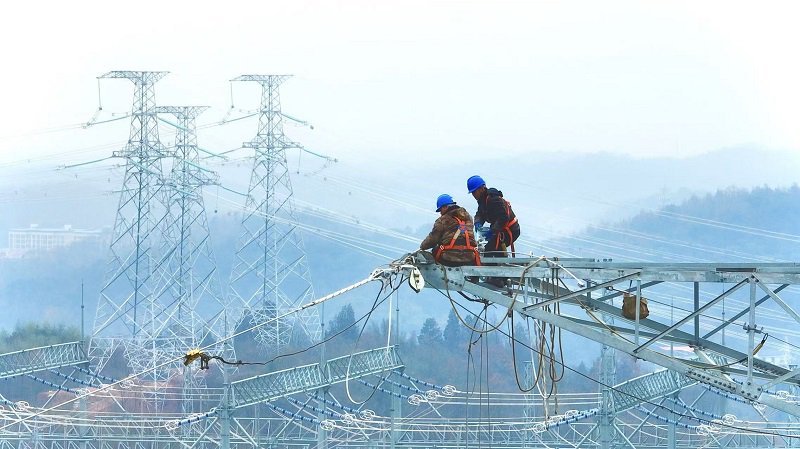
(507, 228)
(462, 231)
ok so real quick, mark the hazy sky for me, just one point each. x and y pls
(420, 79)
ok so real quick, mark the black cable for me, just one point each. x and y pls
(375, 305)
(206, 358)
(476, 299)
(364, 326)
(471, 367)
(645, 401)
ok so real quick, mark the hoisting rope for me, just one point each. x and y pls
(205, 358)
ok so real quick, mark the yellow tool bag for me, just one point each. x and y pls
(629, 307)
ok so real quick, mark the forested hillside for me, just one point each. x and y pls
(733, 225)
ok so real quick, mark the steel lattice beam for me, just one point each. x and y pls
(647, 388)
(268, 387)
(600, 271)
(42, 358)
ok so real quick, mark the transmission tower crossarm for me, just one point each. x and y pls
(271, 386)
(42, 358)
(262, 78)
(134, 75)
(188, 111)
(455, 279)
(674, 336)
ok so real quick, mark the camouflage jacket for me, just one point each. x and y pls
(442, 233)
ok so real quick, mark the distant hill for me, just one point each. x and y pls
(731, 225)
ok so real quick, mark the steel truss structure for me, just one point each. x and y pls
(130, 313)
(98, 418)
(270, 273)
(191, 276)
(539, 283)
(294, 407)
(83, 423)
(32, 360)
(162, 266)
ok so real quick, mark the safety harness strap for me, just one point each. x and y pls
(462, 228)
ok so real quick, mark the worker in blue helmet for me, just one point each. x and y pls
(452, 238)
(496, 211)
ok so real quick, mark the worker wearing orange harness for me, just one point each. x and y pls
(452, 237)
(495, 210)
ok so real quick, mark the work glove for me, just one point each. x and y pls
(488, 234)
(478, 226)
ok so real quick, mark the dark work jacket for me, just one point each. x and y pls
(495, 210)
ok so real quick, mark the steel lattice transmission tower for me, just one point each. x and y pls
(128, 312)
(270, 274)
(196, 312)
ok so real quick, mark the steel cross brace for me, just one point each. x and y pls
(583, 291)
(271, 386)
(676, 335)
(694, 314)
(41, 358)
(454, 280)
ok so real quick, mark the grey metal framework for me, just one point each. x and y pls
(539, 282)
(308, 378)
(43, 358)
(92, 425)
(87, 426)
(128, 310)
(270, 274)
(647, 388)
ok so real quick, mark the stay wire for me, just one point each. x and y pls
(646, 401)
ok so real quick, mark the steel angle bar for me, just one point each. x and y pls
(629, 331)
(780, 379)
(271, 386)
(627, 290)
(678, 272)
(777, 299)
(583, 291)
(693, 314)
(41, 358)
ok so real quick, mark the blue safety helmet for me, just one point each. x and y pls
(474, 183)
(444, 200)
